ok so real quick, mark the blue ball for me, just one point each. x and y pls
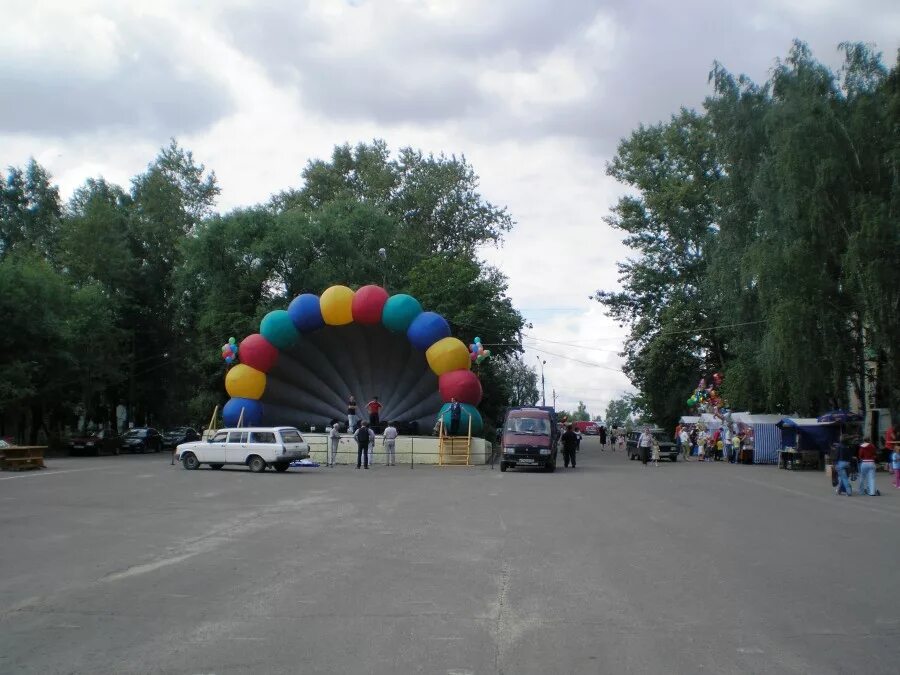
(253, 412)
(306, 313)
(426, 329)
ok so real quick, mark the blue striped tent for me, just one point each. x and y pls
(766, 435)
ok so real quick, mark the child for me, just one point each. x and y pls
(720, 449)
(655, 454)
(895, 466)
(736, 448)
(701, 446)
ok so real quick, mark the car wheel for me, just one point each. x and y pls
(550, 468)
(503, 466)
(158, 447)
(281, 467)
(216, 466)
(257, 464)
(189, 461)
(674, 458)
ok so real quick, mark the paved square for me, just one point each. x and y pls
(128, 565)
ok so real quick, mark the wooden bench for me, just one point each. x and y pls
(23, 457)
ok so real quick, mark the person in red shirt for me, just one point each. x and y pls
(867, 469)
(374, 408)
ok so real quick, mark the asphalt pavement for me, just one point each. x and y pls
(129, 565)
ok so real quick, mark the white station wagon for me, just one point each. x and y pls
(256, 447)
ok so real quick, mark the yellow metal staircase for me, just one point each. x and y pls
(455, 450)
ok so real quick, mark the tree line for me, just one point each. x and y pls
(123, 295)
(766, 228)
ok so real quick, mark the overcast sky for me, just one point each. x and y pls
(535, 93)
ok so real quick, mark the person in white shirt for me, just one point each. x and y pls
(389, 441)
(685, 440)
(334, 438)
(371, 449)
(645, 443)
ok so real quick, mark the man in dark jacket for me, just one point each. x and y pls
(363, 435)
(842, 456)
(569, 442)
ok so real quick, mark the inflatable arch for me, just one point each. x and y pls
(306, 360)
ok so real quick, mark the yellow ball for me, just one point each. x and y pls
(336, 303)
(245, 382)
(446, 355)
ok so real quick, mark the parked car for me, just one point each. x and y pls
(254, 447)
(668, 448)
(530, 438)
(96, 443)
(175, 437)
(144, 439)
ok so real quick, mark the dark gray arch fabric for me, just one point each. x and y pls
(311, 382)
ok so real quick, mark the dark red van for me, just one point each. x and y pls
(530, 438)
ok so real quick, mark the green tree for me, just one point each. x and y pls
(581, 414)
(519, 380)
(618, 412)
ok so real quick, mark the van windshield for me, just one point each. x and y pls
(538, 426)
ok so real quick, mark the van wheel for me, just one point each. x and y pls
(674, 458)
(189, 461)
(503, 466)
(257, 464)
(551, 467)
(216, 466)
(281, 467)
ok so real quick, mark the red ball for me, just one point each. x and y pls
(463, 385)
(368, 302)
(257, 352)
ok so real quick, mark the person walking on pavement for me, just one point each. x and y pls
(362, 445)
(895, 465)
(334, 438)
(645, 442)
(602, 433)
(351, 414)
(389, 440)
(842, 456)
(867, 469)
(685, 440)
(569, 442)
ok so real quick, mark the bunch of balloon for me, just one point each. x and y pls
(706, 398)
(230, 351)
(477, 352)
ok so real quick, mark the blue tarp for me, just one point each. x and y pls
(808, 433)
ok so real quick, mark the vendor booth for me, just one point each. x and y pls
(805, 442)
(766, 435)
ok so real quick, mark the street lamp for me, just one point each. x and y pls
(543, 397)
(382, 253)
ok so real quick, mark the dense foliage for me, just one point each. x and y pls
(124, 295)
(767, 232)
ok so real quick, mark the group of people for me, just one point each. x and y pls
(364, 434)
(865, 457)
(612, 438)
(721, 444)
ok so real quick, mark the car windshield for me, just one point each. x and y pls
(180, 431)
(528, 425)
(136, 433)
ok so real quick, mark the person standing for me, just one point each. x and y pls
(701, 446)
(867, 469)
(735, 448)
(351, 414)
(362, 445)
(645, 442)
(620, 440)
(685, 440)
(374, 409)
(655, 454)
(455, 416)
(389, 440)
(334, 438)
(895, 465)
(693, 437)
(569, 442)
(842, 458)
(602, 433)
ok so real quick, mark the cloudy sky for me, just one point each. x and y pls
(535, 93)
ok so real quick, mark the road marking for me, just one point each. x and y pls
(52, 473)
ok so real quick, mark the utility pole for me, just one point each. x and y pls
(554, 399)
(543, 395)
